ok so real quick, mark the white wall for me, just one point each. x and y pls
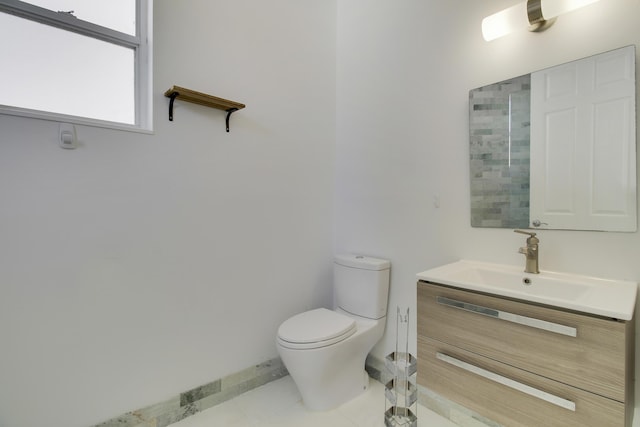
(139, 266)
(404, 73)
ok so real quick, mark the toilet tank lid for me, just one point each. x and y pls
(361, 261)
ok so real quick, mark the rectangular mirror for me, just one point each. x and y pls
(556, 149)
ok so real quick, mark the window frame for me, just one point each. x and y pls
(141, 43)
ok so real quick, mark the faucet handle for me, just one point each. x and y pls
(530, 233)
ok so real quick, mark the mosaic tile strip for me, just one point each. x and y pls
(376, 369)
(200, 398)
(499, 137)
(208, 395)
(201, 392)
(453, 411)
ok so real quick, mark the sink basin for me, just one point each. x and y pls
(602, 297)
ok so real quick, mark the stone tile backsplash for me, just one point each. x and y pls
(499, 132)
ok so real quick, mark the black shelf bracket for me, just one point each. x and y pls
(229, 112)
(173, 97)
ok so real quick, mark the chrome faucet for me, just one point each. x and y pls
(530, 252)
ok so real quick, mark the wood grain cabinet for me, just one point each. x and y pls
(523, 364)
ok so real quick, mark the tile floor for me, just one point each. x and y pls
(278, 403)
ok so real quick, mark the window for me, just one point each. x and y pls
(80, 61)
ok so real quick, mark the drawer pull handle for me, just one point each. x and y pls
(543, 395)
(510, 317)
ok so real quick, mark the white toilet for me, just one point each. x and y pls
(325, 350)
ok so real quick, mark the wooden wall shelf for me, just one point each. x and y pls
(201, 99)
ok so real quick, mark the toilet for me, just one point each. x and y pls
(325, 350)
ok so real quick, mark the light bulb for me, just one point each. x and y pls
(505, 22)
(516, 17)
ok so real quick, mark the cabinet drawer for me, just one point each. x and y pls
(584, 351)
(509, 395)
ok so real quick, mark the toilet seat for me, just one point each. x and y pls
(315, 328)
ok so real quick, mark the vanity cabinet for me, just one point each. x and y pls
(523, 364)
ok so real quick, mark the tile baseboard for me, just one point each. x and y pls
(451, 410)
(200, 398)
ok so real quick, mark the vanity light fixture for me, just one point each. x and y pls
(538, 15)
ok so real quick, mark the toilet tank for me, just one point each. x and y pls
(361, 285)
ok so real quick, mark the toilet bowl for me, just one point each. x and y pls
(325, 350)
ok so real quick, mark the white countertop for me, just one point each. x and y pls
(602, 297)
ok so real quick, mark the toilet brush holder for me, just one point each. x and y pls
(401, 392)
